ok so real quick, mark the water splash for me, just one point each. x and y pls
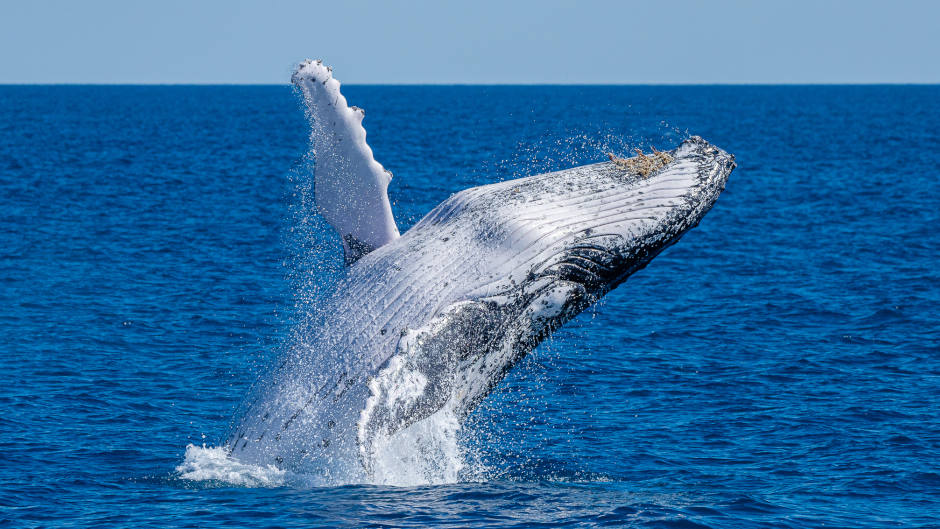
(428, 452)
(213, 464)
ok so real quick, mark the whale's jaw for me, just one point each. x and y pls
(432, 321)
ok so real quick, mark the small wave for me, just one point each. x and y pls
(213, 464)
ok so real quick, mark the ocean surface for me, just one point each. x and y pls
(778, 367)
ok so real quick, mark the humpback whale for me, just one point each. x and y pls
(429, 321)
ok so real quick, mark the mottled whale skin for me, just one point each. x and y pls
(432, 320)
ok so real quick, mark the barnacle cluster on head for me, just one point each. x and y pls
(641, 164)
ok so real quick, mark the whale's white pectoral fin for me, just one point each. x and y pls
(351, 187)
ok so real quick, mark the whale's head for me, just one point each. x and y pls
(518, 259)
(593, 226)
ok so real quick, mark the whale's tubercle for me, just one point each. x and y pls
(351, 188)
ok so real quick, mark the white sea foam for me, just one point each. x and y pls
(203, 463)
(427, 452)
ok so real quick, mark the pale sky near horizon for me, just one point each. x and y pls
(479, 42)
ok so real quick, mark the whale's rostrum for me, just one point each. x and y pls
(429, 322)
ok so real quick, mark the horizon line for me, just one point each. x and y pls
(444, 84)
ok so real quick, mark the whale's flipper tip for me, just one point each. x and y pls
(313, 70)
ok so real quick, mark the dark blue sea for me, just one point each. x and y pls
(778, 367)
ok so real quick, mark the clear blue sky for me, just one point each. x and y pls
(483, 41)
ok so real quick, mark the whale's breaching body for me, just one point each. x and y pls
(425, 324)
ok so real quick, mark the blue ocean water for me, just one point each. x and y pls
(778, 367)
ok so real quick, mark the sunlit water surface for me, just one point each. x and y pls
(780, 366)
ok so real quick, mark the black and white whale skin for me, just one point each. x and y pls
(431, 321)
